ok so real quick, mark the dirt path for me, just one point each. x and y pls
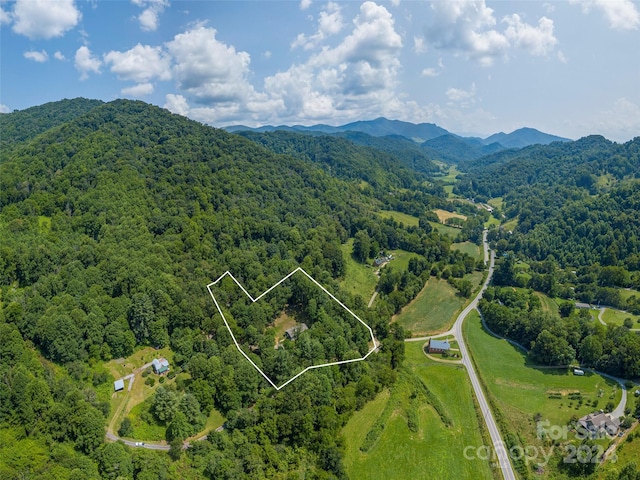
(373, 297)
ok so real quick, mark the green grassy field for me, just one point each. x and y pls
(408, 220)
(520, 391)
(401, 259)
(433, 310)
(549, 305)
(626, 294)
(469, 248)
(446, 230)
(510, 225)
(359, 279)
(497, 202)
(434, 449)
(617, 317)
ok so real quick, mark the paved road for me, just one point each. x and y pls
(498, 445)
(134, 443)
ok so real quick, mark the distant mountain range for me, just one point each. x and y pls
(435, 141)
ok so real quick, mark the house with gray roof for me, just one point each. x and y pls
(438, 346)
(598, 424)
(293, 332)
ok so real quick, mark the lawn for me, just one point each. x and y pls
(520, 391)
(625, 293)
(497, 202)
(469, 248)
(510, 225)
(446, 424)
(401, 259)
(433, 310)
(617, 317)
(408, 220)
(549, 305)
(359, 279)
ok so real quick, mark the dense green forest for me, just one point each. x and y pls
(113, 222)
(115, 216)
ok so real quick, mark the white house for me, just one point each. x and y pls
(160, 365)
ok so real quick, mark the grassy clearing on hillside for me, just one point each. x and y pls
(521, 391)
(408, 220)
(470, 249)
(359, 279)
(433, 310)
(625, 293)
(400, 260)
(444, 215)
(434, 449)
(510, 225)
(446, 230)
(496, 202)
(549, 305)
(617, 317)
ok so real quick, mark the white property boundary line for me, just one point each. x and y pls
(253, 300)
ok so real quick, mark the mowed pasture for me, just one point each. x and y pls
(359, 279)
(434, 449)
(521, 390)
(617, 317)
(433, 310)
(406, 219)
(470, 249)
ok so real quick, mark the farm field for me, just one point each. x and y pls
(521, 391)
(617, 317)
(444, 215)
(433, 310)
(359, 279)
(469, 248)
(400, 217)
(437, 443)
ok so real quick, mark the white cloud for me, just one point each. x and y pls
(36, 56)
(140, 64)
(149, 17)
(534, 40)
(176, 104)
(4, 108)
(463, 97)
(5, 17)
(329, 23)
(395, 3)
(620, 123)
(304, 4)
(86, 62)
(139, 90)
(267, 54)
(429, 72)
(621, 14)
(209, 70)
(469, 29)
(44, 18)
(59, 56)
(419, 45)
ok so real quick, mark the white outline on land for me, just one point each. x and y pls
(253, 300)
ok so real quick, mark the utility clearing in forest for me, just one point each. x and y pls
(334, 334)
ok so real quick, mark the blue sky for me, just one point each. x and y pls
(571, 68)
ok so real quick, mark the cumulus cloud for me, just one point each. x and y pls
(149, 18)
(621, 14)
(464, 97)
(470, 29)
(140, 64)
(208, 69)
(329, 23)
(86, 62)
(4, 108)
(139, 90)
(429, 72)
(5, 17)
(304, 4)
(419, 45)
(620, 123)
(176, 104)
(44, 19)
(534, 40)
(59, 56)
(36, 56)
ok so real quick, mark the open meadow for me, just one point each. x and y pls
(423, 426)
(359, 279)
(433, 310)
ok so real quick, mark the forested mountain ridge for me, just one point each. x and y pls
(112, 223)
(23, 125)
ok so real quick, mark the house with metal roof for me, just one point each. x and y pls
(438, 346)
(118, 385)
(160, 365)
(293, 332)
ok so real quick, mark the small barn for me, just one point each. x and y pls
(438, 346)
(160, 365)
(118, 385)
(293, 332)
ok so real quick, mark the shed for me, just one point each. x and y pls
(438, 346)
(578, 372)
(160, 365)
(293, 332)
(118, 385)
